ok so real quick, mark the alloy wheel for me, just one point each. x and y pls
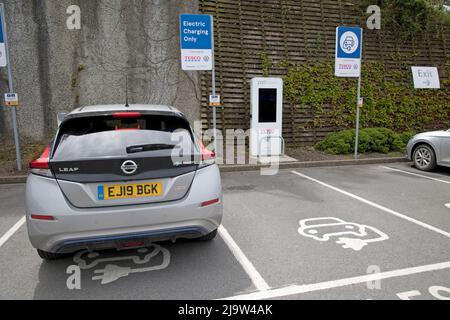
(423, 157)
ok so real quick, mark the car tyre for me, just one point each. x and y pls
(424, 158)
(208, 237)
(49, 255)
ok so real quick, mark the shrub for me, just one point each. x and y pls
(338, 143)
(380, 140)
(404, 139)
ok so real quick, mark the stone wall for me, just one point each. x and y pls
(56, 69)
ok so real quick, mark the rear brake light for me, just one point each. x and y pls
(40, 166)
(126, 115)
(207, 154)
(42, 161)
(208, 203)
(42, 217)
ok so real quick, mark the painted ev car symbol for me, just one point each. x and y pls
(350, 235)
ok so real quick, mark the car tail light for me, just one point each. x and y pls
(40, 166)
(126, 115)
(209, 202)
(42, 217)
(208, 156)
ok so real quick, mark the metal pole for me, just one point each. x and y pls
(358, 100)
(213, 86)
(357, 117)
(11, 90)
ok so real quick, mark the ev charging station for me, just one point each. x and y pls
(266, 127)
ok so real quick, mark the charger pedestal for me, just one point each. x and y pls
(266, 128)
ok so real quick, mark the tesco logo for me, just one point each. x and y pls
(192, 58)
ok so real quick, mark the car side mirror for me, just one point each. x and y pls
(60, 117)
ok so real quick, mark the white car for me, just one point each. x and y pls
(430, 149)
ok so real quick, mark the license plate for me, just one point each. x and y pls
(126, 191)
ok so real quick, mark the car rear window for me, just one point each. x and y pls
(106, 136)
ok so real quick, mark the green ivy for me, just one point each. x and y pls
(265, 64)
(390, 100)
(410, 16)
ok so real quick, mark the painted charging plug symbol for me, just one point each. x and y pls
(111, 273)
(350, 235)
(141, 258)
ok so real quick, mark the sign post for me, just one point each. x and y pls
(4, 61)
(197, 52)
(358, 115)
(348, 64)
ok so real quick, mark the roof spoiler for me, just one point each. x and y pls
(60, 117)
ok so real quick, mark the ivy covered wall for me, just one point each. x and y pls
(390, 99)
(295, 40)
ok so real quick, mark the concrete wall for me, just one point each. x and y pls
(56, 69)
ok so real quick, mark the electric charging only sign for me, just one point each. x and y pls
(348, 52)
(196, 42)
(2, 46)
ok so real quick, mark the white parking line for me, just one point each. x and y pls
(299, 289)
(11, 231)
(416, 174)
(375, 205)
(254, 275)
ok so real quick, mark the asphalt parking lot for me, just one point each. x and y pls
(355, 232)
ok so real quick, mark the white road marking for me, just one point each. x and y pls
(299, 289)
(350, 235)
(257, 279)
(416, 174)
(11, 231)
(447, 205)
(112, 272)
(375, 205)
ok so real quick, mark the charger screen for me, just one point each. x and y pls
(267, 105)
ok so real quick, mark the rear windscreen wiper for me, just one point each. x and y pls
(151, 147)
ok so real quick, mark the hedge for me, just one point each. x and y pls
(381, 140)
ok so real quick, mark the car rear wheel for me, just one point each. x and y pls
(49, 255)
(208, 237)
(424, 158)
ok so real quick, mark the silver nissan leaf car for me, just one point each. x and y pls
(122, 177)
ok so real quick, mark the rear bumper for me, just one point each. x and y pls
(100, 228)
(143, 239)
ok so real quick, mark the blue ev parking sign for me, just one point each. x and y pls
(348, 51)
